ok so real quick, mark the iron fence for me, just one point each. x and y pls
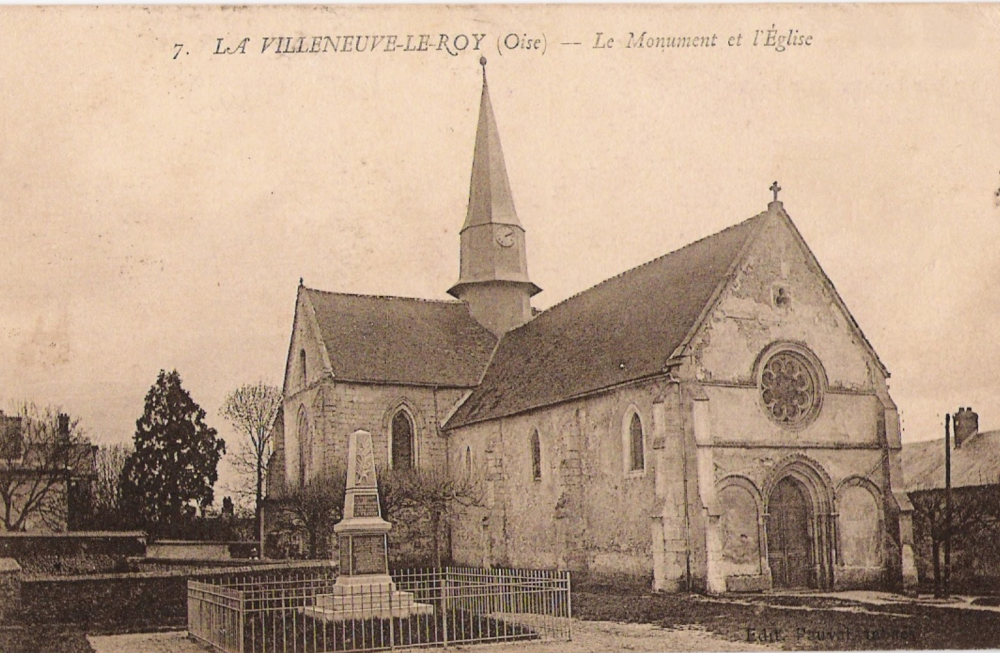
(303, 613)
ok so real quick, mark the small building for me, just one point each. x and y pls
(714, 419)
(975, 482)
(46, 475)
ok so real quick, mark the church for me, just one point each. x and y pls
(712, 420)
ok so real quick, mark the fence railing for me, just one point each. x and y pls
(302, 612)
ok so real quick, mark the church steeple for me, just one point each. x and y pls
(490, 199)
(493, 278)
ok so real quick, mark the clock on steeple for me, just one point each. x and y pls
(493, 278)
(505, 236)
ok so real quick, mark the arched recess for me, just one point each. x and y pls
(741, 526)
(304, 435)
(402, 425)
(633, 442)
(799, 523)
(860, 526)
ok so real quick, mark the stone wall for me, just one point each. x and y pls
(587, 510)
(72, 553)
(10, 590)
(335, 410)
(127, 602)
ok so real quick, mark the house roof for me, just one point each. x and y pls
(400, 340)
(621, 330)
(976, 462)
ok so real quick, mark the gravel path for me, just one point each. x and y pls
(588, 637)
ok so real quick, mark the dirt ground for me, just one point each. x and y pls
(641, 621)
(588, 637)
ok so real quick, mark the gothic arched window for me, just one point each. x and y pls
(468, 461)
(402, 441)
(536, 456)
(305, 445)
(302, 366)
(636, 444)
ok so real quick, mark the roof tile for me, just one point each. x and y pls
(976, 462)
(623, 329)
(401, 340)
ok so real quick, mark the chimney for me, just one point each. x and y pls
(63, 427)
(966, 425)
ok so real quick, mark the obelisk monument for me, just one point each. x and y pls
(364, 588)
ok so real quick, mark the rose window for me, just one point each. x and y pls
(789, 388)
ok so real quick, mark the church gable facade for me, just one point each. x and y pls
(388, 365)
(712, 420)
(796, 439)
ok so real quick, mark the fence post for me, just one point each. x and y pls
(569, 606)
(392, 622)
(444, 607)
(241, 621)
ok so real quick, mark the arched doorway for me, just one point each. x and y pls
(790, 544)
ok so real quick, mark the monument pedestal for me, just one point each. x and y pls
(357, 601)
(364, 589)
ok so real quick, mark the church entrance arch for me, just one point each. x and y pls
(799, 525)
(789, 538)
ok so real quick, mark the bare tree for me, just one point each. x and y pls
(317, 506)
(434, 493)
(41, 454)
(975, 514)
(110, 462)
(251, 410)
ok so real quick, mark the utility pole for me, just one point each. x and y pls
(947, 504)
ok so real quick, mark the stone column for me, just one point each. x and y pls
(715, 580)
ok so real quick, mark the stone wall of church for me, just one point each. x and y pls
(587, 509)
(334, 410)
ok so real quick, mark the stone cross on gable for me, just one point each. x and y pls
(775, 188)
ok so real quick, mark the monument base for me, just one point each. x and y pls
(356, 599)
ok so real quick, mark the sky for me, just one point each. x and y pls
(160, 202)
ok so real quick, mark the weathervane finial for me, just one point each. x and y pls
(482, 62)
(775, 188)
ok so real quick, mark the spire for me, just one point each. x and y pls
(493, 274)
(490, 199)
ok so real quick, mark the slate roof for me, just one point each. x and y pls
(490, 199)
(977, 462)
(623, 329)
(401, 340)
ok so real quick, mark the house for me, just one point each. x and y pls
(975, 498)
(46, 474)
(713, 419)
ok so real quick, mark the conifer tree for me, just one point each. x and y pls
(175, 458)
